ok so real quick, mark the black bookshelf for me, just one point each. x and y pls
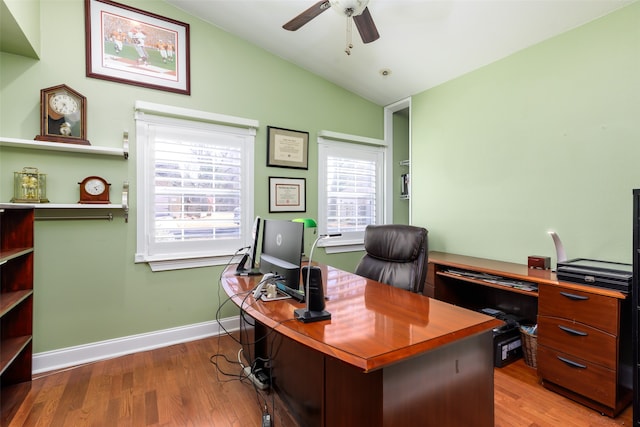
(635, 298)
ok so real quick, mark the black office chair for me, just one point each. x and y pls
(396, 255)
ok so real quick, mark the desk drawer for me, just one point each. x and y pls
(583, 377)
(578, 339)
(598, 311)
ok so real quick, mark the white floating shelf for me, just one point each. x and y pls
(74, 148)
(66, 205)
(78, 207)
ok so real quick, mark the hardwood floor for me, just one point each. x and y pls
(521, 401)
(180, 386)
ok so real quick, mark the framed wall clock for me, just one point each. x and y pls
(63, 116)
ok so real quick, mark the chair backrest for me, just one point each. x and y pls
(396, 255)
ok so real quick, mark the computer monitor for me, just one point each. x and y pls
(282, 250)
(248, 265)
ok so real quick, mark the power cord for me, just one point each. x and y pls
(255, 367)
(214, 358)
(245, 319)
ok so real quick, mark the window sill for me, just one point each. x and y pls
(158, 265)
(336, 246)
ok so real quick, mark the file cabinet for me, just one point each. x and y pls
(583, 345)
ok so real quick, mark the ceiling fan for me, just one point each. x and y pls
(351, 9)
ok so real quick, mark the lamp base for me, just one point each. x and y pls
(308, 316)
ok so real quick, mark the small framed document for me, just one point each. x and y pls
(287, 148)
(287, 194)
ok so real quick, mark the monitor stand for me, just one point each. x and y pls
(241, 271)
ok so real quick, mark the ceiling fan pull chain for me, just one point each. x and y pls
(349, 27)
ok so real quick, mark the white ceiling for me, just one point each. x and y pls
(422, 42)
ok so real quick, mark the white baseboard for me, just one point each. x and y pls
(101, 350)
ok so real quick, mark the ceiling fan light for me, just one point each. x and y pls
(349, 7)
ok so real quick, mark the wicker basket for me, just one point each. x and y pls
(529, 348)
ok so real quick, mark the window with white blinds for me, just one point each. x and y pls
(351, 190)
(195, 187)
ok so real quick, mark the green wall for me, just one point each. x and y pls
(20, 27)
(87, 287)
(546, 139)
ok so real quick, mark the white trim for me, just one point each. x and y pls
(332, 246)
(399, 105)
(166, 256)
(176, 264)
(350, 146)
(338, 249)
(187, 113)
(102, 350)
(327, 134)
(388, 137)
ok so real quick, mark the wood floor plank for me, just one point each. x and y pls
(151, 408)
(113, 411)
(520, 400)
(179, 386)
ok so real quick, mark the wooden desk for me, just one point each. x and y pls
(583, 339)
(477, 294)
(387, 357)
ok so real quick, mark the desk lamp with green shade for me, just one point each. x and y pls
(308, 223)
(314, 309)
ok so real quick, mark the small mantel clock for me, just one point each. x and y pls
(63, 116)
(94, 189)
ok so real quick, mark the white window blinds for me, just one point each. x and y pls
(350, 190)
(351, 193)
(195, 185)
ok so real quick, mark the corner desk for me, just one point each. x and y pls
(584, 337)
(387, 357)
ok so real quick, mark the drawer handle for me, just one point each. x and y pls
(573, 331)
(574, 296)
(572, 363)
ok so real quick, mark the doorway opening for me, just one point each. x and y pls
(397, 131)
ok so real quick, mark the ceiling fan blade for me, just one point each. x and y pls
(366, 27)
(307, 15)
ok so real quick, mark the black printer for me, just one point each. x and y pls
(603, 274)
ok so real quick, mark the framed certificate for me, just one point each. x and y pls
(287, 194)
(287, 148)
